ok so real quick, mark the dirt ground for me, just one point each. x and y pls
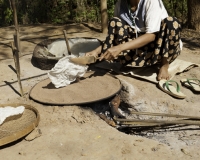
(77, 132)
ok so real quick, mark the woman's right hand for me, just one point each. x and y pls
(95, 52)
(92, 53)
(111, 53)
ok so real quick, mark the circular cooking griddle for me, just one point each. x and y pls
(92, 87)
(13, 130)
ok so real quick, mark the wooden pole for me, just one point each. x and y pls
(67, 42)
(16, 46)
(17, 66)
(17, 39)
(104, 16)
(16, 55)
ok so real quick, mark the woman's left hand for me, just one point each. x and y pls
(111, 53)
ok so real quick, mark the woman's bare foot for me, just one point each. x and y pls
(163, 72)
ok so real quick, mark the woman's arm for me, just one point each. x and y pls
(141, 41)
(138, 42)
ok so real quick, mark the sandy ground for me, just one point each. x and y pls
(77, 132)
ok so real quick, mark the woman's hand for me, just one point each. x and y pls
(141, 41)
(95, 52)
(111, 53)
(92, 53)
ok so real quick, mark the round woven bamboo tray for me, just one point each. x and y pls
(93, 87)
(13, 130)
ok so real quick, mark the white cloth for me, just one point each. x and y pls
(65, 72)
(149, 15)
(8, 111)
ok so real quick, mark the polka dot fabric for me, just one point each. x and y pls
(166, 43)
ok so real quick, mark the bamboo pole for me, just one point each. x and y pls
(16, 55)
(16, 46)
(16, 41)
(67, 42)
(17, 66)
(187, 120)
(157, 122)
(165, 115)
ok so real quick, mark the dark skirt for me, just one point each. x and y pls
(166, 43)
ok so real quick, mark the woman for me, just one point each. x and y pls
(141, 34)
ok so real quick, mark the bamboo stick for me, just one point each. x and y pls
(164, 114)
(67, 42)
(17, 41)
(158, 122)
(17, 66)
(16, 54)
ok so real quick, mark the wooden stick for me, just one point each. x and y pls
(16, 53)
(188, 120)
(158, 122)
(14, 14)
(67, 42)
(17, 41)
(164, 114)
(16, 46)
(17, 66)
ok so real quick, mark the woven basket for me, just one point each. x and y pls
(13, 130)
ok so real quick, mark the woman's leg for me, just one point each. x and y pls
(163, 71)
(169, 45)
(163, 50)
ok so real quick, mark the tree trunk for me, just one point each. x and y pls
(104, 16)
(194, 14)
